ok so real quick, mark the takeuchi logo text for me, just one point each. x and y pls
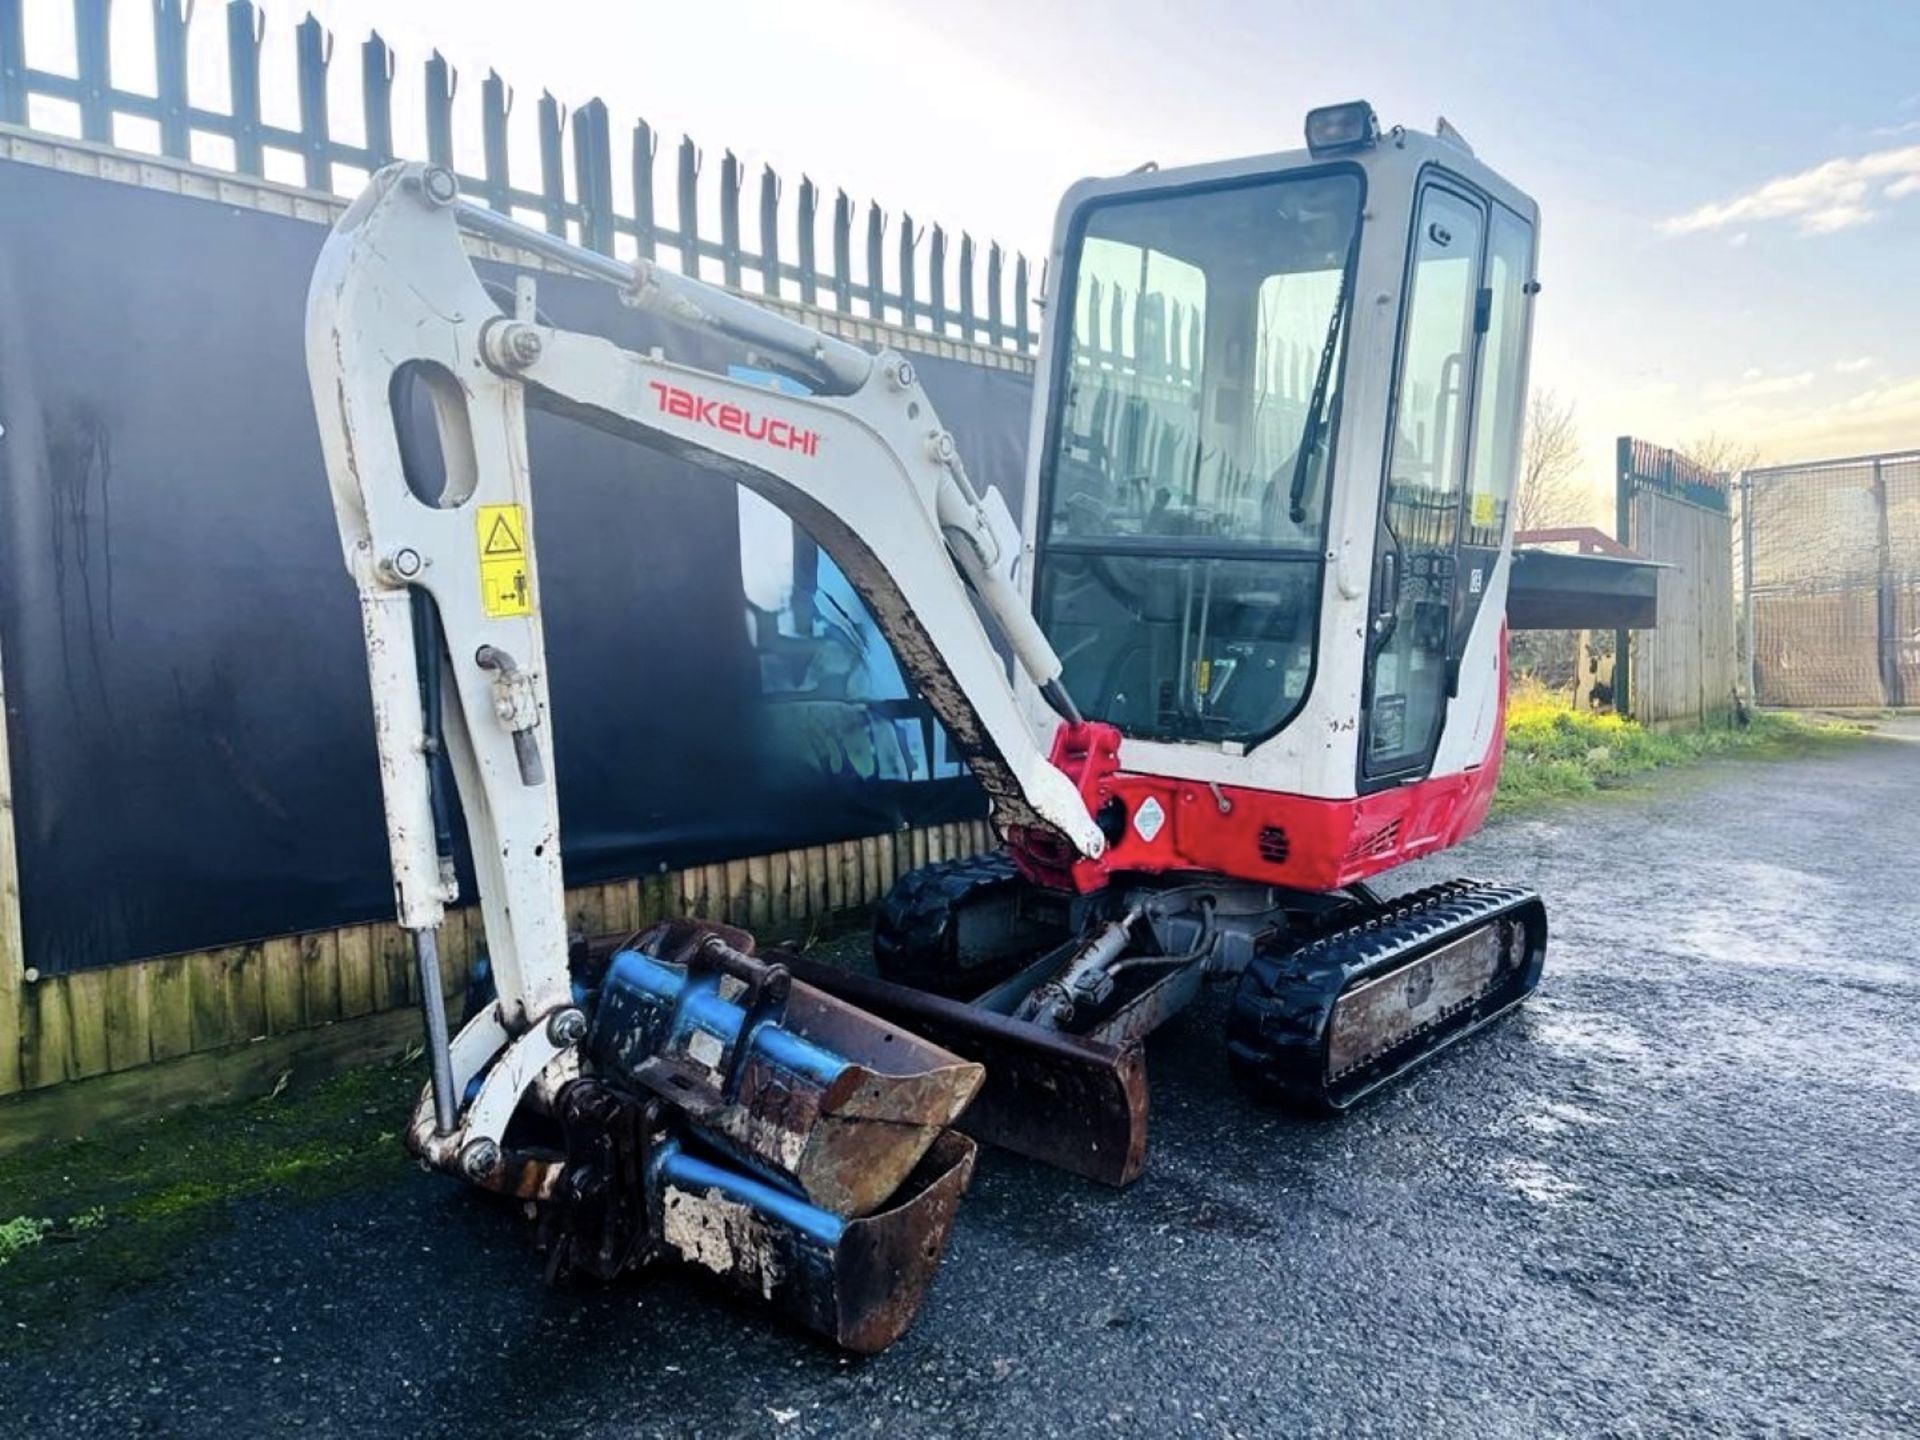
(733, 419)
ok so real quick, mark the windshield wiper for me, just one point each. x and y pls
(1317, 404)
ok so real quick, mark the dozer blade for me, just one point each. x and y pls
(1067, 1100)
(1321, 1026)
(794, 1083)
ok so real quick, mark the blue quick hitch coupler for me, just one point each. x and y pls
(796, 1086)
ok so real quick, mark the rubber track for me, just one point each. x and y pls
(1276, 1029)
(914, 936)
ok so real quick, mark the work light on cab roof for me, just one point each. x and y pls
(1338, 129)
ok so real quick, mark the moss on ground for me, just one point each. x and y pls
(1555, 752)
(81, 1221)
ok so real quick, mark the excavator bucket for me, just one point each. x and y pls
(726, 1116)
(858, 1281)
(838, 1104)
(1078, 1102)
(637, 1183)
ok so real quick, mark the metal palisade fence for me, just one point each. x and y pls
(1831, 577)
(931, 287)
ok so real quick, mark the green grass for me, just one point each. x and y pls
(83, 1221)
(1557, 753)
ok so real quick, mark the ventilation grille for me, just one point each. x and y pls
(1274, 846)
(1380, 842)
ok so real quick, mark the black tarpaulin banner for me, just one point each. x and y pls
(186, 691)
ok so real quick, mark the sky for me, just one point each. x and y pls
(1730, 192)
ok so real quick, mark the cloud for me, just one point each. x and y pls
(1834, 195)
(1833, 218)
(1753, 385)
(1793, 422)
(1882, 417)
(1853, 366)
(1739, 239)
(1890, 132)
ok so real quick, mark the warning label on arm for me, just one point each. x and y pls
(505, 586)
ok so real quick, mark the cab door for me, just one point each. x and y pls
(1417, 572)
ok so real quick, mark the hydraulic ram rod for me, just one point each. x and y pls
(426, 959)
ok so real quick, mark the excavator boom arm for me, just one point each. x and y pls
(864, 466)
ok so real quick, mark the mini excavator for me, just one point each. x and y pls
(1255, 615)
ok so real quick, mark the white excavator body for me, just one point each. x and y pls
(1255, 608)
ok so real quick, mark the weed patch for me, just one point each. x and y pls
(1557, 752)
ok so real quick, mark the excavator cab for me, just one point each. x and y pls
(1268, 508)
(1280, 413)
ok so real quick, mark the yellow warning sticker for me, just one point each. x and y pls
(1483, 509)
(505, 586)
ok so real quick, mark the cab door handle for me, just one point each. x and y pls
(1386, 608)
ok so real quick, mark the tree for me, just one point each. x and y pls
(1550, 493)
(1776, 529)
(1721, 454)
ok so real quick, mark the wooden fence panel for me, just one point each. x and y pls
(356, 971)
(320, 975)
(46, 1045)
(129, 1016)
(1686, 669)
(86, 1006)
(169, 1008)
(93, 1023)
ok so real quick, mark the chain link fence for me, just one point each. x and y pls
(1831, 580)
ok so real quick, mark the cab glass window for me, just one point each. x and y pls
(1184, 488)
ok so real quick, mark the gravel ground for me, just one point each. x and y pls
(1677, 1193)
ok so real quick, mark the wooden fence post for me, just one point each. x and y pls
(1623, 532)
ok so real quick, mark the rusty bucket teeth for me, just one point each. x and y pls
(795, 1084)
